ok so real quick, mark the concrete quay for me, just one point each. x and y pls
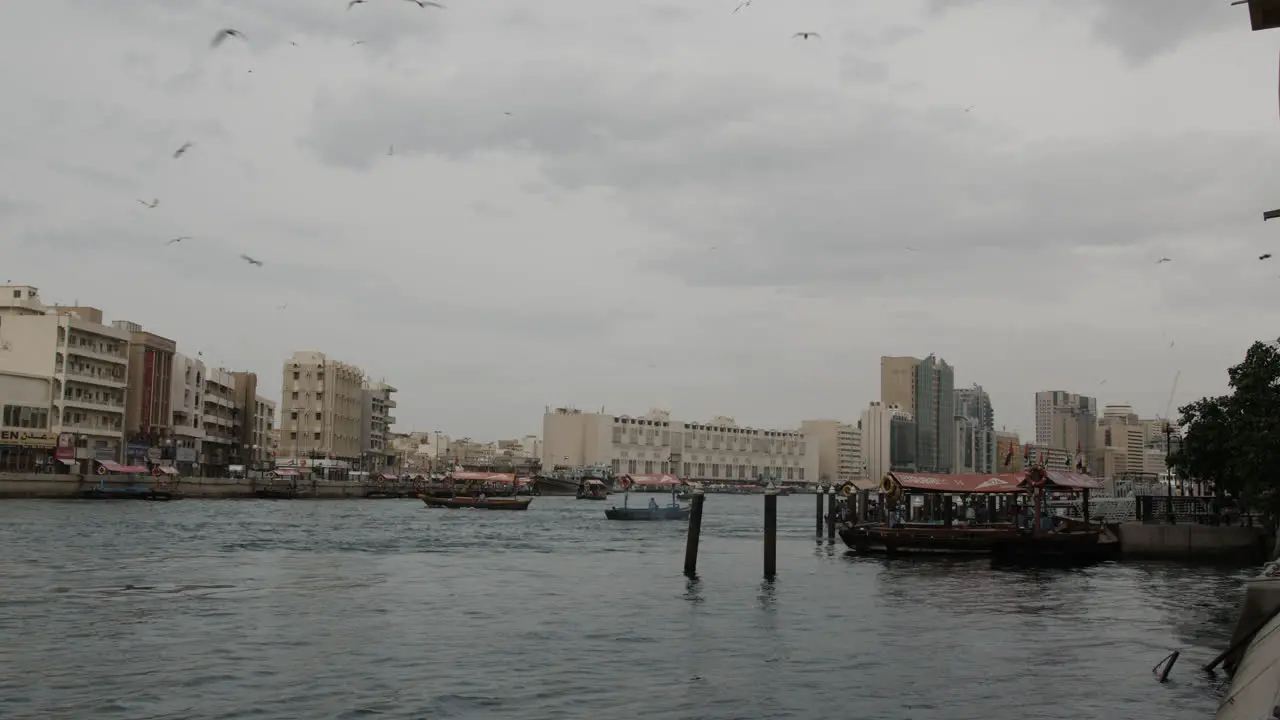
(1192, 541)
(62, 487)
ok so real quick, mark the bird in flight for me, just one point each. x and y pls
(912, 249)
(425, 3)
(182, 150)
(225, 33)
(806, 35)
(354, 3)
(744, 3)
(358, 42)
(971, 107)
(391, 150)
(1164, 260)
(1264, 257)
(506, 113)
(178, 239)
(293, 43)
(250, 260)
(151, 204)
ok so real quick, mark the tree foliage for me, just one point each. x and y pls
(1233, 441)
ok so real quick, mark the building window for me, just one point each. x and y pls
(293, 415)
(295, 394)
(293, 436)
(318, 416)
(631, 466)
(317, 436)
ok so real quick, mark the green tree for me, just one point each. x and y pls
(1233, 441)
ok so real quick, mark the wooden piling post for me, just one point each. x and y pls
(832, 514)
(695, 531)
(771, 531)
(818, 529)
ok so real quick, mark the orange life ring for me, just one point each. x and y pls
(102, 469)
(156, 471)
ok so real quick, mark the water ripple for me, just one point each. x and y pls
(385, 609)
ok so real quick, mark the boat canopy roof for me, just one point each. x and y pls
(651, 481)
(983, 483)
(593, 481)
(487, 477)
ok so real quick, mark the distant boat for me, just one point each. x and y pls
(593, 489)
(477, 503)
(653, 511)
(564, 480)
(668, 512)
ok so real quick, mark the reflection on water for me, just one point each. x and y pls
(347, 609)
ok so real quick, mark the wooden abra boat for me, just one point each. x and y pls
(478, 503)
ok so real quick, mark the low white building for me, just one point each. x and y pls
(186, 398)
(715, 451)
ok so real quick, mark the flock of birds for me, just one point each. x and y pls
(227, 33)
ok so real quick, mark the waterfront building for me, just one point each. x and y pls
(839, 449)
(376, 420)
(64, 379)
(889, 440)
(320, 410)
(1067, 421)
(148, 411)
(222, 446)
(717, 451)
(978, 434)
(924, 388)
(186, 399)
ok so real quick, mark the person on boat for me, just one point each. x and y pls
(653, 504)
(480, 496)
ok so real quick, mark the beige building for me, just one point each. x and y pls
(186, 398)
(61, 371)
(148, 418)
(1128, 444)
(716, 451)
(320, 408)
(1009, 452)
(888, 439)
(839, 449)
(259, 432)
(898, 381)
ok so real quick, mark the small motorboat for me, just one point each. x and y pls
(592, 489)
(479, 503)
(653, 511)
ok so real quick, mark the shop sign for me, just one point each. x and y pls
(28, 439)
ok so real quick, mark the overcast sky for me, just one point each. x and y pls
(684, 208)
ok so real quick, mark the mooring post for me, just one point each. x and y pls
(771, 530)
(695, 530)
(832, 514)
(820, 491)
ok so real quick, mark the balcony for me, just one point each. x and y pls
(91, 378)
(94, 354)
(95, 404)
(90, 429)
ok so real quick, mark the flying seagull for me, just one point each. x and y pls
(425, 3)
(293, 43)
(225, 33)
(178, 239)
(744, 3)
(250, 260)
(358, 42)
(182, 150)
(806, 35)
(353, 3)
(971, 107)
(1264, 257)
(151, 204)
(391, 150)
(1163, 260)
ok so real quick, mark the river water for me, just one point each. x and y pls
(384, 608)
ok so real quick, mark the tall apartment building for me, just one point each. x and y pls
(716, 451)
(888, 435)
(898, 381)
(320, 408)
(256, 417)
(376, 419)
(839, 449)
(978, 434)
(925, 388)
(63, 374)
(1066, 421)
(148, 411)
(186, 398)
(1127, 443)
(222, 446)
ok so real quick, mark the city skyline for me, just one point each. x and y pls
(739, 225)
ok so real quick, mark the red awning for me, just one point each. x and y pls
(389, 476)
(131, 469)
(1007, 482)
(1072, 481)
(111, 466)
(168, 470)
(285, 472)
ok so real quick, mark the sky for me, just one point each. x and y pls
(501, 206)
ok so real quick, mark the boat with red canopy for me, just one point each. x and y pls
(997, 515)
(482, 491)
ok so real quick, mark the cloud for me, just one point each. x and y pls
(680, 207)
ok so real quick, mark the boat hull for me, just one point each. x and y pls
(127, 494)
(647, 514)
(1005, 545)
(477, 504)
(556, 486)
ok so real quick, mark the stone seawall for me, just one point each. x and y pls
(1190, 541)
(48, 486)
